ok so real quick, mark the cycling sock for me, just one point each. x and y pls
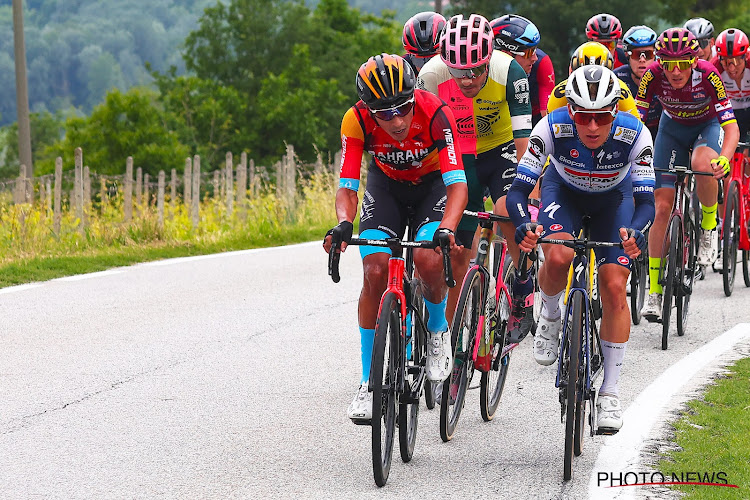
(366, 338)
(613, 353)
(436, 321)
(654, 264)
(709, 216)
(551, 305)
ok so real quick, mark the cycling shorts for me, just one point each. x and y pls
(494, 169)
(563, 209)
(387, 203)
(674, 141)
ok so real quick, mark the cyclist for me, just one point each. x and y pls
(519, 37)
(600, 166)
(489, 95)
(410, 135)
(639, 45)
(703, 30)
(731, 63)
(421, 38)
(607, 30)
(697, 114)
(592, 53)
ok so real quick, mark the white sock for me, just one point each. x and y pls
(613, 353)
(551, 305)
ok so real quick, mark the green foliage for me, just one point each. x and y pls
(129, 124)
(46, 129)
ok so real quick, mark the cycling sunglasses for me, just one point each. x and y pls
(731, 60)
(389, 114)
(601, 118)
(610, 44)
(703, 42)
(636, 54)
(682, 64)
(468, 73)
(527, 53)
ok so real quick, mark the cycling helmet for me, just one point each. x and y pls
(639, 36)
(514, 33)
(700, 27)
(422, 34)
(592, 53)
(385, 81)
(676, 42)
(603, 27)
(731, 43)
(592, 87)
(466, 43)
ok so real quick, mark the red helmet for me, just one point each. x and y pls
(422, 34)
(732, 43)
(603, 27)
(676, 42)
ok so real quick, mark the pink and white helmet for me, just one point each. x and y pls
(466, 43)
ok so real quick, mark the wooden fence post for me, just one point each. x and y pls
(251, 181)
(160, 198)
(128, 199)
(86, 187)
(48, 198)
(242, 181)
(138, 189)
(186, 199)
(19, 190)
(57, 216)
(173, 190)
(217, 192)
(146, 193)
(78, 189)
(196, 192)
(229, 174)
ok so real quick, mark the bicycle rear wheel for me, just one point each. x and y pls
(408, 410)
(493, 381)
(573, 413)
(687, 271)
(731, 238)
(670, 273)
(383, 379)
(463, 331)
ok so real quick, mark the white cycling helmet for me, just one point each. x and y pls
(592, 87)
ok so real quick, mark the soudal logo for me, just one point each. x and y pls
(450, 146)
(623, 260)
(574, 153)
(556, 227)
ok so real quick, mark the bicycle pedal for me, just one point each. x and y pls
(605, 431)
(362, 421)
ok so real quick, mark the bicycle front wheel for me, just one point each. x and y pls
(687, 272)
(731, 238)
(574, 414)
(670, 272)
(465, 325)
(383, 378)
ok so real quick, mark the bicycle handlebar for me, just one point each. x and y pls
(685, 170)
(580, 242)
(396, 245)
(487, 216)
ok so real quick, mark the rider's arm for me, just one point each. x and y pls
(645, 93)
(443, 132)
(517, 93)
(642, 177)
(725, 115)
(528, 171)
(545, 78)
(352, 147)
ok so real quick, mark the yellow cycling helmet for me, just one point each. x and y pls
(591, 53)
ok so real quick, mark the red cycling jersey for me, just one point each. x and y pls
(428, 147)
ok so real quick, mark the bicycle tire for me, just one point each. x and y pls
(746, 253)
(493, 381)
(731, 232)
(408, 412)
(576, 321)
(383, 379)
(638, 282)
(463, 331)
(688, 267)
(669, 272)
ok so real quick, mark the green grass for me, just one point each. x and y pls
(714, 436)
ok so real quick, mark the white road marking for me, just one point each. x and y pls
(81, 277)
(620, 453)
(19, 288)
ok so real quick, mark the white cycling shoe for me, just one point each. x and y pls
(547, 340)
(609, 414)
(361, 407)
(709, 247)
(439, 356)
(652, 310)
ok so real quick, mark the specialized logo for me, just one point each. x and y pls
(574, 153)
(551, 209)
(623, 260)
(579, 270)
(624, 135)
(555, 227)
(563, 130)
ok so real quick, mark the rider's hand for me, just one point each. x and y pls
(342, 234)
(633, 241)
(444, 237)
(721, 167)
(526, 236)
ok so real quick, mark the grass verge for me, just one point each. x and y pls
(713, 436)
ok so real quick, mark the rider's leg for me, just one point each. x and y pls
(663, 199)
(615, 326)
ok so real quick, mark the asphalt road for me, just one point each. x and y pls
(229, 376)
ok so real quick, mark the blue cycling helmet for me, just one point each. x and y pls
(514, 33)
(639, 36)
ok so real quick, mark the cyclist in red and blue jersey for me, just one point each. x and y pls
(732, 65)
(519, 37)
(607, 30)
(415, 167)
(600, 166)
(639, 44)
(421, 38)
(697, 114)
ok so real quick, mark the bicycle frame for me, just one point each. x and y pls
(678, 212)
(743, 185)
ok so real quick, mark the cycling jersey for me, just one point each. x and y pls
(499, 113)
(625, 104)
(739, 94)
(428, 147)
(621, 58)
(541, 82)
(700, 100)
(623, 162)
(416, 61)
(654, 112)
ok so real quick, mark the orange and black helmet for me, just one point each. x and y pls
(385, 81)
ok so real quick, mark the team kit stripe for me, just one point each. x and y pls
(596, 175)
